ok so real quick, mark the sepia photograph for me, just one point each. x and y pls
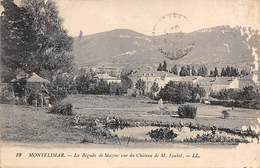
(126, 75)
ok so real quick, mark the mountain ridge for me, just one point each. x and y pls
(216, 45)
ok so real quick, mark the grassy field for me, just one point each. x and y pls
(28, 124)
(145, 109)
(35, 125)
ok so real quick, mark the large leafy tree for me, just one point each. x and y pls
(180, 92)
(16, 39)
(34, 39)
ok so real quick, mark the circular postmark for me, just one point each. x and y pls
(169, 35)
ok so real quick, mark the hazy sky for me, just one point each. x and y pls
(93, 16)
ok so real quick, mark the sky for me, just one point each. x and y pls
(94, 16)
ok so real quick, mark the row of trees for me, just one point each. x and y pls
(191, 71)
(185, 70)
(247, 93)
(229, 71)
(33, 39)
(188, 70)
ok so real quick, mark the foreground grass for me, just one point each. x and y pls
(29, 124)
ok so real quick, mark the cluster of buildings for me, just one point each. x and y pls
(208, 83)
(109, 79)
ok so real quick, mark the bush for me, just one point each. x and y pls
(162, 134)
(187, 111)
(63, 109)
(6, 95)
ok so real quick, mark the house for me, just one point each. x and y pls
(150, 77)
(159, 77)
(185, 79)
(109, 79)
(208, 83)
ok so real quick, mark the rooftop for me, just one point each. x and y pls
(105, 76)
(36, 78)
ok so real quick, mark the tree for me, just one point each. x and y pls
(174, 70)
(202, 71)
(82, 84)
(184, 71)
(164, 66)
(155, 87)
(102, 87)
(216, 72)
(189, 70)
(234, 72)
(180, 92)
(34, 39)
(140, 85)
(125, 80)
(159, 67)
(16, 37)
(193, 71)
(223, 72)
(228, 71)
(211, 73)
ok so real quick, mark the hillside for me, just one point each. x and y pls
(218, 45)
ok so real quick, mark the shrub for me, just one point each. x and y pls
(187, 111)
(6, 95)
(63, 109)
(162, 134)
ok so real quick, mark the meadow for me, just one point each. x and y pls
(35, 125)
